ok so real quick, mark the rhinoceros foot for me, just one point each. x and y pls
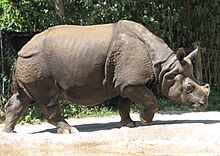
(144, 122)
(8, 131)
(146, 118)
(67, 130)
(130, 124)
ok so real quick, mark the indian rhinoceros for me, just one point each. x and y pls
(90, 64)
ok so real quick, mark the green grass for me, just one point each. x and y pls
(168, 105)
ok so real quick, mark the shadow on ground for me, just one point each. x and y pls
(111, 125)
(168, 122)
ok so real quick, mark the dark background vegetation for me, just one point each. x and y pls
(178, 23)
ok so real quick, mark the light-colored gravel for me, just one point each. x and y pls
(171, 134)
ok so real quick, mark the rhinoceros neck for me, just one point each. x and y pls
(162, 59)
(167, 71)
(166, 67)
(162, 56)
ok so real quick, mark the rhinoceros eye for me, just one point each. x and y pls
(189, 88)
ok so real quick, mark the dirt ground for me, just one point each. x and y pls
(170, 134)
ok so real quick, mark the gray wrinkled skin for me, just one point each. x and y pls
(90, 64)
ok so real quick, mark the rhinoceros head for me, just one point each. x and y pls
(180, 85)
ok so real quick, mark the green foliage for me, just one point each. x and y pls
(5, 82)
(214, 101)
(26, 15)
(178, 22)
(68, 109)
(168, 105)
(9, 17)
(37, 14)
(33, 115)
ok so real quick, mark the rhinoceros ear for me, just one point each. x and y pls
(180, 55)
(193, 53)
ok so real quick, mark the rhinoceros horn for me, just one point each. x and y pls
(193, 54)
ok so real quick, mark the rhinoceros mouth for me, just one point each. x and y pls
(197, 106)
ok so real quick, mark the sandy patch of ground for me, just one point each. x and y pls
(171, 133)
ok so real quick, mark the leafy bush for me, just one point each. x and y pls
(33, 115)
(26, 15)
(214, 101)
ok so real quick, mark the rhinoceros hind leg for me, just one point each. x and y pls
(15, 108)
(53, 115)
(142, 95)
(124, 105)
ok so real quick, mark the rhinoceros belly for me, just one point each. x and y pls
(88, 95)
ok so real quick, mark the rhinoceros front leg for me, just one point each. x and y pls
(124, 106)
(53, 115)
(15, 108)
(142, 95)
